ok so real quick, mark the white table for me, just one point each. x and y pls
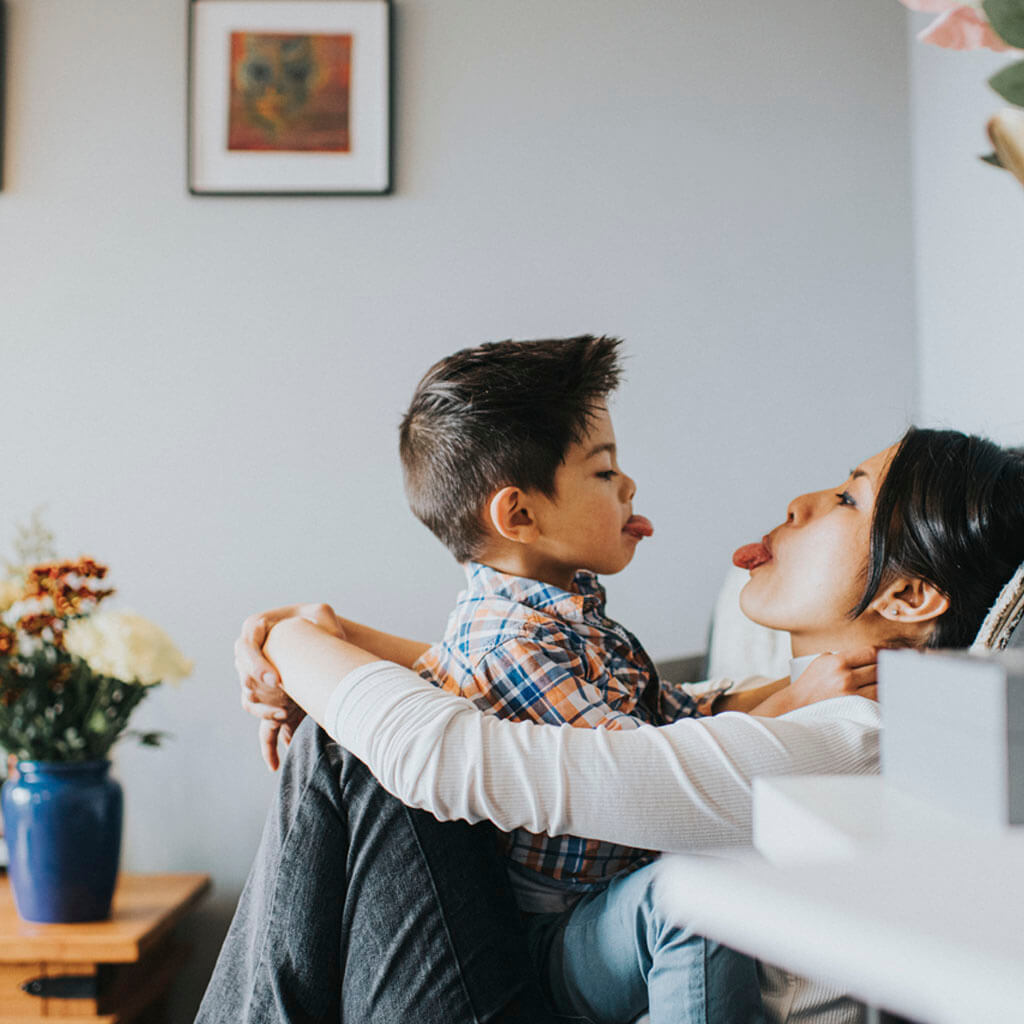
(906, 907)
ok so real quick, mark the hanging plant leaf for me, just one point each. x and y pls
(1007, 17)
(993, 159)
(1009, 83)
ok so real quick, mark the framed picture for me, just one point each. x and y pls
(3, 67)
(289, 97)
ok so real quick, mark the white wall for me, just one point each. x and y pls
(969, 226)
(205, 392)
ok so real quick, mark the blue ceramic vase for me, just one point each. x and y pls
(62, 823)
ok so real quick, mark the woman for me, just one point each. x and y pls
(911, 551)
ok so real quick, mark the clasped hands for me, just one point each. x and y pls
(261, 692)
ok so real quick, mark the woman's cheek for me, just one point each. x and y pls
(791, 602)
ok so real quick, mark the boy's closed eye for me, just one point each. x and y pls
(607, 474)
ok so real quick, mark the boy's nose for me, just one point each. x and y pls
(629, 486)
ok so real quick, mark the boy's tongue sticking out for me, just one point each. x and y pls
(639, 527)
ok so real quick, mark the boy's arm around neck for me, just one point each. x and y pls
(387, 646)
(851, 673)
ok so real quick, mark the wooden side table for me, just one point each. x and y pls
(109, 971)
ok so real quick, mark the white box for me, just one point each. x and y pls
(953, 730)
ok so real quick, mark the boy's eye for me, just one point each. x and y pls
(607, 474)
(845, 498)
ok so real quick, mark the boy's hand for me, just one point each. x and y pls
(262, 694)
(848, 673)
(844, 674)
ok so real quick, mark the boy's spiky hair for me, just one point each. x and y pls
(497, 415)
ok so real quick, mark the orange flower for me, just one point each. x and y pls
(35, 624)
(53, 580)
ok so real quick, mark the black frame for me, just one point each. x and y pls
(3, 78)
(389, 184)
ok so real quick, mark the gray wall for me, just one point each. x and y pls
(204, 392)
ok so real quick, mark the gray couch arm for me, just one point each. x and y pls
(690, 668)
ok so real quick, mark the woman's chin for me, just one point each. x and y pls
(756, 609)
(749, 603)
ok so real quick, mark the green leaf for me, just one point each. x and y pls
(1007, 17)
(991, 158)
(1009, 83)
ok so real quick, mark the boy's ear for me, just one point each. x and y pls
(511, 515)
(910, 600)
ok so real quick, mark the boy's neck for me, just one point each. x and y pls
(518, 562)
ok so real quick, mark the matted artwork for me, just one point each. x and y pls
(289, 97)
(289, 93)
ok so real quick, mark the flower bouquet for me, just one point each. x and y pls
(70, 678)
(995, 25)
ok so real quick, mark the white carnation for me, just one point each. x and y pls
(126, 646)
(13, 613)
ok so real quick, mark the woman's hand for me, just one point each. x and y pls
(260, 683)
(272, 729)
(844, 674)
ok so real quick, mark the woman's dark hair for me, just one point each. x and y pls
(950, 511)
(501, 414)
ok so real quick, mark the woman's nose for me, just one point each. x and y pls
(802, 508)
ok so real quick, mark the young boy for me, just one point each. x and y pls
(509, 458)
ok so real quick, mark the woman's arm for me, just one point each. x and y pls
(679, 787)
(259, 676)
(262, 694)
(310, 662)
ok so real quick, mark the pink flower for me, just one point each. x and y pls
(959, 26)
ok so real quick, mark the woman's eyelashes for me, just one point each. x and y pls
(846, 498)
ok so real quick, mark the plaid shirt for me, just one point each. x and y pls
(526, 650)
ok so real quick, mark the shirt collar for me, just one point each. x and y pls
(797, 665)
(586, 597)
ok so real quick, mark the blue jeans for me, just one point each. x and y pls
(614, 954)
(360, 910)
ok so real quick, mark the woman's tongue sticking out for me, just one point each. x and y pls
(750, 556)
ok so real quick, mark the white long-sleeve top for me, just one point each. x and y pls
(679, 787)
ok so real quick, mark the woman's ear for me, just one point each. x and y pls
(510, 514)
(910, 600)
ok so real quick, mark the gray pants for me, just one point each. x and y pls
(359, 909)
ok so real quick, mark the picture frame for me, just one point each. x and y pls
(289, 97)
(3, 82)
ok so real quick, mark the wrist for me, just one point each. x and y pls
(280, 633)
